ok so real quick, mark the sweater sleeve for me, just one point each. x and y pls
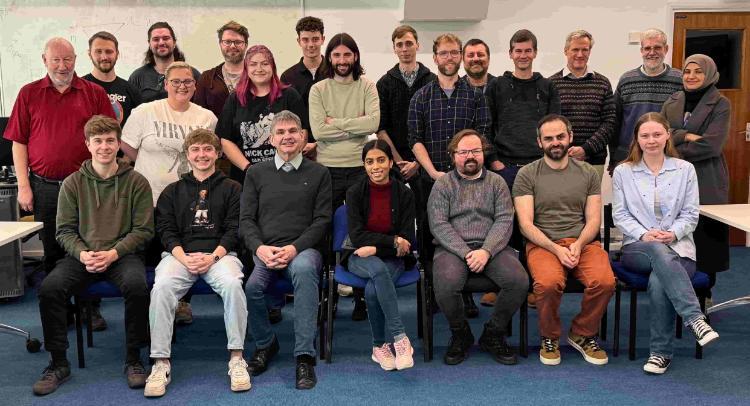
(321, 221)
(232, 218)
(142, 215)
(597, 143)
(711, 143)
(67, 220)
(438, 212)
(166, 218)
(384, 98)
(318, 114)
(490, 97)
(367, 123)
(501, 229)
(249, 229)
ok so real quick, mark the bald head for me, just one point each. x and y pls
(60, 59)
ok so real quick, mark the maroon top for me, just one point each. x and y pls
(211, 91)
(51, 124)
(379, 218)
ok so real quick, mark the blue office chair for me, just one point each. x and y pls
(339, 274)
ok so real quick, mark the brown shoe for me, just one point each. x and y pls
(531, 300)
(52, 377)
(488, 299)
(589, 348)
(549, 354)
(184, 313)
(136, 375)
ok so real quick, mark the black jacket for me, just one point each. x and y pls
(394, 105)
(199, 225)
(402, 220)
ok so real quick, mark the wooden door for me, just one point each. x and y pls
(727, 36)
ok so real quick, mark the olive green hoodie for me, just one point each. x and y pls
(95, 214)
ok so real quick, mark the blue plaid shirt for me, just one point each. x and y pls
(434, 118)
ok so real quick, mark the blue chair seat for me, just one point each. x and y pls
(639, 281)
(347, 278)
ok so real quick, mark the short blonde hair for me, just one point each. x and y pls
(100, 125)
(202, 136)
(578, 34)
(177, 65)
(449, 37)
(654, 33)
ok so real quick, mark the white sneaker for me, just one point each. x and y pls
(656, 364)
(404, 352)
(344, 290)
(239, 378)
(156, 383)
(383, 356)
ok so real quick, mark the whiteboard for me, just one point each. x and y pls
(24, 29)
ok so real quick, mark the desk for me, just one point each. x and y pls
(13, 230)
(735, 215)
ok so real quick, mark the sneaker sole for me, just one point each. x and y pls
(648, 369)
(240, 388)
(156, 394)
(708, 338)
(62, 381)
(408, 364)
(549, 361)
(509, 361)
(385, 368)
(586, 357)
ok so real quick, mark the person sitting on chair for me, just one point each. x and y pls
(655, 205)
(380, 213)
(471, 216)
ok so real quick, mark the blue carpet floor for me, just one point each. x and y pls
(199, 363)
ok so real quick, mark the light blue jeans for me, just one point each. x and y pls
(304, 272)
(172, 282)
(670, 290)
(380, 295)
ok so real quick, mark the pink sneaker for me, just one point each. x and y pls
(383, 356)
(404, 352)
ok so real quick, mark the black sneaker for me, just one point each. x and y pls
(262, 356)
(704, 334)
(360, 309)
(458, 347)
(274, 316)
(470, 308)
(136, 374)
(656, 364)
(52, 377)
(494, 343)
(305, 372)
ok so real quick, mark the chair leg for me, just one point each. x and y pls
(88, 309)
(678, 327)
(427, 315)
(329, 321)
(603, 327)
(79, 333)
(698, 347)
(420, 330)
(616, 332)
(322, 310)
(633, 324)
(510, 327)
(423, 315)
(524, 330)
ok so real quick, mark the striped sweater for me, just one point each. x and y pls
(589, 105)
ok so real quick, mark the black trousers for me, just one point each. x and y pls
(70, 277)
(45, 210)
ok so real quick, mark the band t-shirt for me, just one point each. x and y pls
(158, 133)
(249, 127)
(123, 96)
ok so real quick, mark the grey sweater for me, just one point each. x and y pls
(470, 214)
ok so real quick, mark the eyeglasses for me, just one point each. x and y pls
(177, 82)
(465, 152)
(228, 42)
(452, 52)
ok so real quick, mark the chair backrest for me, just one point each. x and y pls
(340, 227)
(609, 224)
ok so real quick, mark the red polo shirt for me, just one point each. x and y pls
(51, 124)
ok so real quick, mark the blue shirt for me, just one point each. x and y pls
(434, 118)
(633, 189)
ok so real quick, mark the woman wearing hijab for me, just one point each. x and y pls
(699, 122)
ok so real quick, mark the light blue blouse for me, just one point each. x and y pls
(633, 189)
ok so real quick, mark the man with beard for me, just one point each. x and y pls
(214, 85)
(47, 135)
(642, 90)
(162, 51)
(344, 111)
(471, 216)
(437, 112)
(476, 64)
(104, 51)
(558, 204)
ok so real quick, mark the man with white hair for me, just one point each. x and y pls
(46, 127)
(642, 90)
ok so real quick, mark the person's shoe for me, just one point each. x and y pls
(656, 364)
(589, 348)
(52, 377)
(184, 313)
(239, 378)
(262, 356)
(531, 300)
(458, 347)
(704, 334)
(156, 383)
(360, 309)
(274, 316)
(549, 354)
(470, 308)
(404, 353)
(494, 343)
(383, 356)
(136, 374)
(305, 372)
(488, 299)
(344, 290)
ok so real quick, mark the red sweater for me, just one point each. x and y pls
(379, 218)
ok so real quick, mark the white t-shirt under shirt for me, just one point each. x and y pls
(158, 133)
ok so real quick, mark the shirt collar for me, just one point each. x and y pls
(75, 83)
(668, 165)
(481, 175)
(296, 161)
(567, 73)
(666, 68)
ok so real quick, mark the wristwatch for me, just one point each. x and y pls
(216, 258)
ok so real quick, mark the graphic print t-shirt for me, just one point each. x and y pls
(249, 127)
(158, 133)
(123, 96)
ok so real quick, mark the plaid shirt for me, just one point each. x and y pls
(434, 118)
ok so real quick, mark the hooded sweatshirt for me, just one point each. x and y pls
(95, 214)
(199, 216)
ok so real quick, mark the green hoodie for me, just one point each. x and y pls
(95, 214)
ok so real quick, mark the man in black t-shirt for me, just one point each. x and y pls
(103, 51)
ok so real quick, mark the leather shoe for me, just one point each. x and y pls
(458, 348)
(275, 316)
(262, 356)
(306, 378)
(493, 342)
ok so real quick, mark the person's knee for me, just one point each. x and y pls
(135, 288)
(50, 290)
(549, 285)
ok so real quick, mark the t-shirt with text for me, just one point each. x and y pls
(123, 96)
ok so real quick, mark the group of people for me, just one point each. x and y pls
(483, 166)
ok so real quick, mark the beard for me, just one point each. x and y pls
(474, 74)
(105, 68)
(58, 81)
(470, 167)
(556, 153)
(446, 70)
(343, 73)
(168, 55)
(233, 59)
